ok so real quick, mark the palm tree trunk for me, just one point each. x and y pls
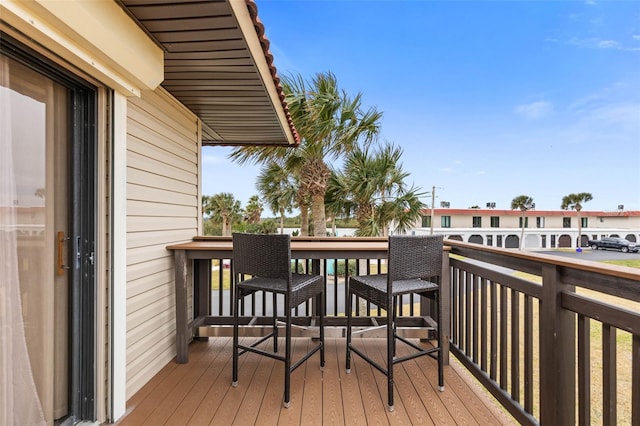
(579, 229)
(281, 221)
(319, 218)
(304, 220)
(522, 233)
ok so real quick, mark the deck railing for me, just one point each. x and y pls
(556, 341)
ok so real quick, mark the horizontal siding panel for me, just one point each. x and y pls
(149, 297)
(149, 282)
(149, 223)
(163, 237)
(145, 368)
(137, 351)
(139, 270)
(162, 208)
(142, 162)
(166, 110)
(156, 195)
(149, 312)
(165, 181)
(140, 146)
(141, 208)
(139, 334)
(147, 254)
(161, 138)
(146, 112)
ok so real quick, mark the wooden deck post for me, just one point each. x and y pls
(445, 305)
(557, 353)
(182, 326)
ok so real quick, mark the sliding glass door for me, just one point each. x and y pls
(47, 236)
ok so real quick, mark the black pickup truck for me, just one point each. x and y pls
(614, 243)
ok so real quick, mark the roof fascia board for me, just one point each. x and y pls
(247, 27)
(98, 37)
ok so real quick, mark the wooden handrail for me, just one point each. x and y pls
(479, 315)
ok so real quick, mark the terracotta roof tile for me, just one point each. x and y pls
(265, 43)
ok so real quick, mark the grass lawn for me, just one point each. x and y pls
(632, 263)
(623, 352)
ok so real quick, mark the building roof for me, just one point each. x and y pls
(218, 64)
(532, 212)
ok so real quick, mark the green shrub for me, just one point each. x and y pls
(341, 269)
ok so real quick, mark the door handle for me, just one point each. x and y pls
(61, 265)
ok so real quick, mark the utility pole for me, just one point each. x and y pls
(433, 203)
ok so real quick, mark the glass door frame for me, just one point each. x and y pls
(83, 208)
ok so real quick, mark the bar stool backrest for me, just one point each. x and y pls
(415, 256)
(262, 255)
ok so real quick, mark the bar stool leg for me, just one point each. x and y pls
(236, 299)
(321, 320)
(275, 323)
(349, 313)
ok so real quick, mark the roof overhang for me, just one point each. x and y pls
(217, 63)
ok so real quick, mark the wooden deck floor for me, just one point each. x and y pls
(199, 393)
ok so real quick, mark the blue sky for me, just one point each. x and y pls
(488, 99)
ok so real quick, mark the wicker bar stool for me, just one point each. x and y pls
(414, 266)
(267, 258)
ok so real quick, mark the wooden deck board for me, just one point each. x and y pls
(200, 392)
(332, 393)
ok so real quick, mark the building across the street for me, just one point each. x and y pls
(542, 228)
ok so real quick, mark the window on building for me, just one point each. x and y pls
(544, 241)
(553, 241)
(499, 241)
(426, 221)
(585, 222)
(526, 222)
(489, 240)
(477, 222)
(445, 221)
(495, 221)
(566, 222)
(539, 222)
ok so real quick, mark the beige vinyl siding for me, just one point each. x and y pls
(162, 209)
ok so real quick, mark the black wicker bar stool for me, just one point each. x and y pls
(414, 266)
(267, 258)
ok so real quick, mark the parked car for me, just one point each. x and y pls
(614, 243)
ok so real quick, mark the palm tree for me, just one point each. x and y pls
(337, 206)
(222, 208)
(254, 209)
(278, 188)
(372, 187)
(575, 201)
(331, 124)
(524, 203)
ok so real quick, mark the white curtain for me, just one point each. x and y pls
(19, 402)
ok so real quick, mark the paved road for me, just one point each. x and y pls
(595, 255)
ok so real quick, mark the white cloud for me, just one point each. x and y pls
(608, 44)
(535, 110)
(613, 93)
(597, 43)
